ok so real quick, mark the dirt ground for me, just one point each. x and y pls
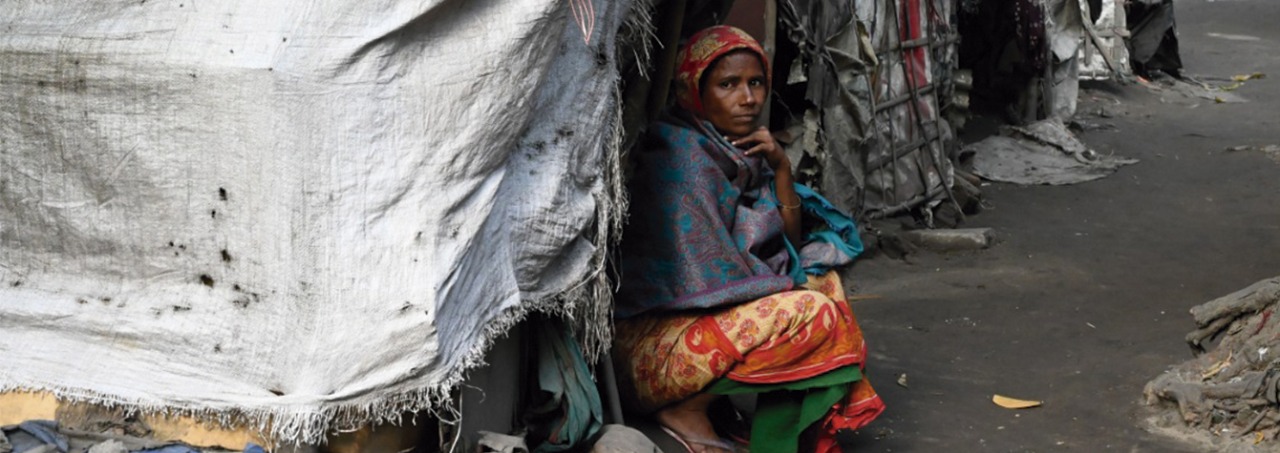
(1085, 296)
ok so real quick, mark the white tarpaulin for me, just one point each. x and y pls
(300, 214)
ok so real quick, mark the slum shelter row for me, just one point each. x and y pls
(870, 97)
(874, 94)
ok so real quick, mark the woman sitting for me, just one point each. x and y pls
(721, 292)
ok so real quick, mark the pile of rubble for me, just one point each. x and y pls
(1231, 391)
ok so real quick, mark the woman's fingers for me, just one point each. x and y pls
(761, 137)
(758, 136)
(758, 149)
(762, 143)
(770, 153)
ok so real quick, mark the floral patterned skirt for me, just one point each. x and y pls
(789, 336)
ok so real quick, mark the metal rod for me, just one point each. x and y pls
(922, 42)
(897, 209)
(770, 48)
(669, 35)
(611, 390)
(902, 151)
(903, 98)
(915, 108)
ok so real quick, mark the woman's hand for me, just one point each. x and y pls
(761, 143)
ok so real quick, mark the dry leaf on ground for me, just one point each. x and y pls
(1014, 403)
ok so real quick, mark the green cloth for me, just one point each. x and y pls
(784, 410)
(566, 411)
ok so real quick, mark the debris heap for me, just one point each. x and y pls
(1232, 390)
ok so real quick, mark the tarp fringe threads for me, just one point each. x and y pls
(638, 35)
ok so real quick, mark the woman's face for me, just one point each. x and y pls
(733, 93)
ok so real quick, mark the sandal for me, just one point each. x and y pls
(689, 442)
(730, 424)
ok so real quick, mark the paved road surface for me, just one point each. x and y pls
(1085, 297)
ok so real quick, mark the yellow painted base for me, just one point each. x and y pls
(17, 407)
(379, 439)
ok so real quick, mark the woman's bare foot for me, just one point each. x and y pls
(688, 420)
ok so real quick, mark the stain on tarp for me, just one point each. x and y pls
(246, 297)
(563, 133)
(602, 57)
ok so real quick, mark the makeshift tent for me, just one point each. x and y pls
(300, 215)
(862, 87)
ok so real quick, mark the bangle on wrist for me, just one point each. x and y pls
(788, 206)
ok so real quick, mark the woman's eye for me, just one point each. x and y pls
(725, 84)
(756, 82)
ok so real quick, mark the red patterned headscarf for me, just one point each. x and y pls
(704, 48)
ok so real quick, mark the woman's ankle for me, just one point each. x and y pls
(689, 417)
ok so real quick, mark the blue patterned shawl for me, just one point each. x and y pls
(704, 229)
